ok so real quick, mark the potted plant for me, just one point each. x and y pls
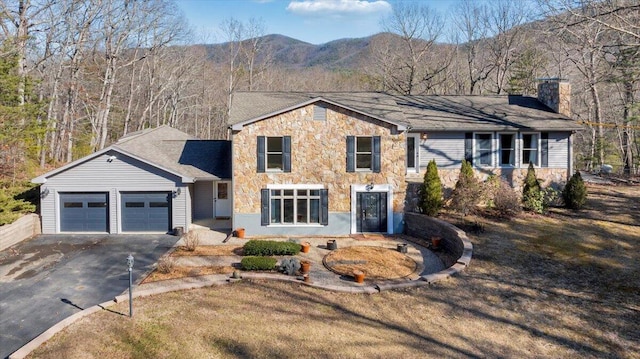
(305, 246)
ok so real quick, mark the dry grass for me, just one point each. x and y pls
(217, 250)
(375, 262)
(182, 271)
(538, 287)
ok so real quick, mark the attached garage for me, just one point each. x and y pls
(84, 212)
(142, 184)
(146, 211)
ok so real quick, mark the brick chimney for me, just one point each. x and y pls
(555, 93)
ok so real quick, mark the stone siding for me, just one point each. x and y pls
(318, 156)
(556, 94)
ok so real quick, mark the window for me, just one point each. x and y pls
(530, 148)
(507, 149)
(274, 154)
(483, 149)
(363, 153)
(412, 153)
(295, 206)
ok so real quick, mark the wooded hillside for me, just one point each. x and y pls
(77, 75)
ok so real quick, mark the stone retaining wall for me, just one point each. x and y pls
(16, 232)
(456, 247)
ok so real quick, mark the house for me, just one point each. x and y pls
(310, 163)
(150, 181)
(337, 163)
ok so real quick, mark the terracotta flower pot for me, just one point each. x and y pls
(305, 267)
(240, 232)
(305, 247)
(358, 276)
(435, 242)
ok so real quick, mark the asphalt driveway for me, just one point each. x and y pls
(50, 277)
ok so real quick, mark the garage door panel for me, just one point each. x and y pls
(146, 212)
(84, 212)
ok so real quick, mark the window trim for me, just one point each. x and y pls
(537, 163)
(514, 149)
(476, 158)
(273, 153)
(322, 212)
(416, 155)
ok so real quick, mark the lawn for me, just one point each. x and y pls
(562, 285)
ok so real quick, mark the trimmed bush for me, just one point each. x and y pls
(532, 195)
(467, 192)
(431, 191)
(258, 263)
(575, 192)
(270, 248)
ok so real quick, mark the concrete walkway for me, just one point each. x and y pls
(320, 276)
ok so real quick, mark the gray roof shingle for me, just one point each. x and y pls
(179, 152)
(421, 113)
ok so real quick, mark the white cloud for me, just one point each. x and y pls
(338, 7)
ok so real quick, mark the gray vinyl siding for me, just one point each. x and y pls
(121, 174)
(447, 148)
(559, 149)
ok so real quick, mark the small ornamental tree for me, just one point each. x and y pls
(575, 192)
(431, 191)
(467, 192)
(532, 196)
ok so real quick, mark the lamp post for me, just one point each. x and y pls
(130, 265)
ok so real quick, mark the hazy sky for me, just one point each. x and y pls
(313, 21)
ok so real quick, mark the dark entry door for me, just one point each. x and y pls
(146, 211)
(371, 210)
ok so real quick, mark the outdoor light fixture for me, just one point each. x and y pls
(44, 193)
(130, 265)
(369, 187)
(177, 192)
(111, 158)
(423, 135)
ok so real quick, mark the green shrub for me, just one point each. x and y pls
(575, 192)
(532, 195)
(270, 248)
(258, 263)
(467, 192)
(431, 191)
(11, 207)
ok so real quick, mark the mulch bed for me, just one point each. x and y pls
(375, 262)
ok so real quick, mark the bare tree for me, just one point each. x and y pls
(418, 27)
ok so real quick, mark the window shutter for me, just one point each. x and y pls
(324, 207)
(286, 154)
(261, 153)
(544, 149)
(468, 147)
(264, 207)
(375, 160)
(351, 154)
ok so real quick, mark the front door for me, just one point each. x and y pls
(222, 199)
(371, 212)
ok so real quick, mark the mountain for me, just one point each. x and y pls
(287, 52)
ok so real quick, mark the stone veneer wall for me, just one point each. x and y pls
(555, 177)
(556, 94)
(318, 156)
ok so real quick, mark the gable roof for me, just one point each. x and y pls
(249, 107)
(418, 113)
(170, 150)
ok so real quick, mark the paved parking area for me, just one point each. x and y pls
(48, 278)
